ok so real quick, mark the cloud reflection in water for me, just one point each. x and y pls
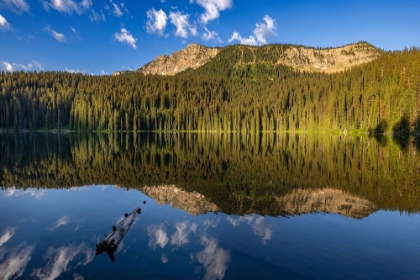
(8, 233)
(61, 222)
(259, 226)
(157, 236)
(213, 258)
(14, 261)
(18, 192)
(180, 237)
(60, 258)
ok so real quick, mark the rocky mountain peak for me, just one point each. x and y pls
(193, 56)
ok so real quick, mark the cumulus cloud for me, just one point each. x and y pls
(157, 235)
(156, 21)
(16, 6)
(15, 261)
(8, 67)
(60, 222)
(125, 37)
(213, 258)
(60, 37)
(181, 22)
(246, 41)
(212, 8)
(8, 233)
(68, 6)
(180, 237)
(4, 25)
(210, 35)
(262, 31)
(59, 260)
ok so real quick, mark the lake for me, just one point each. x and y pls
(213, 206)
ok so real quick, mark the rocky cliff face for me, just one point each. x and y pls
(193, 56)
(328, 60)
(191, 202)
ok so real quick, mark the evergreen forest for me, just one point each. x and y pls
(238, 90)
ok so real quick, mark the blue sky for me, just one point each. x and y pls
(102, 36)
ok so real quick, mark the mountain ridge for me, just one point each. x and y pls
(300, 58)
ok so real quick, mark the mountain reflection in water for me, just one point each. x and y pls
(218, 206)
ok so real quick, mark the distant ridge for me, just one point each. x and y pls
(301, 58)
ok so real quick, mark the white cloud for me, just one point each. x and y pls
(14, 67)
(213, 8)
(156, 21)
(68, 6)
(183, 27)
(213, 258)
(59, 259)
(96, 16)
(117, 11)
(16, 260)
(60, 222)
(8, 233)
(210, 35)
(264, 30)
(4, 25)
(246, 41)
(157, 236)
(60, 37)
(261, 32)
(8, 67)
(16, 6)
(126, 37)
(73, 71)
(180, 237)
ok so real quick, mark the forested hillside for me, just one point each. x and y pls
(235, 91)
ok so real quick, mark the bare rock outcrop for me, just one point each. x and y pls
(328, 60)
(193, 56)
(191, 202)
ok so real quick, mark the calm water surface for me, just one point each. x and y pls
(213, 207)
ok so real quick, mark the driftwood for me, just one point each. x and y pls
(111, 241)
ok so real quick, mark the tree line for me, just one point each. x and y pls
(241, 89)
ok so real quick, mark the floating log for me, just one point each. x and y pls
(111, 241)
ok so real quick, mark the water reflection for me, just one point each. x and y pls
(61, 222)
(60, 260)
(14, 260)
(235, 173)
(213, 258)
(158, 236)
(8, 233)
